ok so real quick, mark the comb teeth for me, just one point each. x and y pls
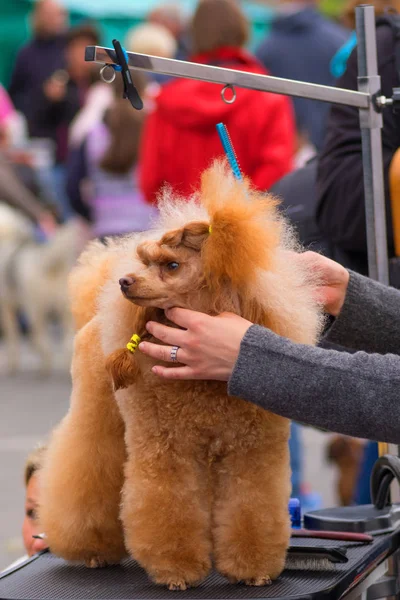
(309, 564)
(229, 150)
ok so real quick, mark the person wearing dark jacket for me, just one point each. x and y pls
(63, 94)
(340, 184)
(38, 60)
(301, 45)
(180, 137)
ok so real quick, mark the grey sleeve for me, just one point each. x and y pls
(354, 394)
(370, 318)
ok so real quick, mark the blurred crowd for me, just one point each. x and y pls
(73, 149)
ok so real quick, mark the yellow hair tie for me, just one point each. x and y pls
(210, 230)
(134, 343)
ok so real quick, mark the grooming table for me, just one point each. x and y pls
(46, 577)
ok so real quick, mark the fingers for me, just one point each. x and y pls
(168, 335)
(162, 353)
(178, 373)
(183, 317)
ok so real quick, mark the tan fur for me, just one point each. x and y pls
(82, 475)
(93, 269)
(206, 475)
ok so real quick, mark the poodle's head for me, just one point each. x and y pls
(170, 271)
(208, 263)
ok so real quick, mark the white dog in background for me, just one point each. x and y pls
(33, 281)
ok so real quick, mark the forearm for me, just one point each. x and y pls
(354, 394)
(369, 319)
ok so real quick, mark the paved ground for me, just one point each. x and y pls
(31, 406)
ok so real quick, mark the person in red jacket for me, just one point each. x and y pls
(180, 138)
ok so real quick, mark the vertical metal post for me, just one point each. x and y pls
(371, 125)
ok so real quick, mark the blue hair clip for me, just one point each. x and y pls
(229, 150)
(118, 68)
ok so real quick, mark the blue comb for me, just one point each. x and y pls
(229, 150)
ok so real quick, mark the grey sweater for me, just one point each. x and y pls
(356, 394)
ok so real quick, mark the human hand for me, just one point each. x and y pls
(332, 280)
(208, 346)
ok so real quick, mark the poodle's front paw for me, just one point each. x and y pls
(258, 581)
(178, 586)
(183, 576)
(254, 581)
(96, 562)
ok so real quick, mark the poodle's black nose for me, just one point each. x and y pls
(126, 282)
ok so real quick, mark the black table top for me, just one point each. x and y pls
(48, 577)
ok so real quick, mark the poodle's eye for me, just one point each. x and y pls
(172, 266)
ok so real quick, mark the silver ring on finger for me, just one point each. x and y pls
(174, 353)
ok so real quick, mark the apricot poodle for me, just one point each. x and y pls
(177, 474)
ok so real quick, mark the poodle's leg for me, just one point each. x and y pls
(9, 325)
(166, 516)
(251, 527)
(82, 478)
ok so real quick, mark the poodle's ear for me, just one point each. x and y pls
(245, 228)
(122, 367)
(192, 236)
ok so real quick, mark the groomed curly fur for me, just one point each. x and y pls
(205, 475)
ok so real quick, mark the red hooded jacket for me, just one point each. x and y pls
(180, 139)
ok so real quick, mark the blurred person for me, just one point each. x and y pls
(171, 16)
(61, 98)
(31, 531)
(12, 123)
(18, 185)
(180, 138)
(38, 60)
(31, 526)
(14, 193)
(63, 94)
(300, 46)
(346, 453)
(98, 99)
(153, 39)
(102, 172)
(340, 183)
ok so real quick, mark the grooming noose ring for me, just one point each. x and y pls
(223, 94)
(107, 69)
(174, 352)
